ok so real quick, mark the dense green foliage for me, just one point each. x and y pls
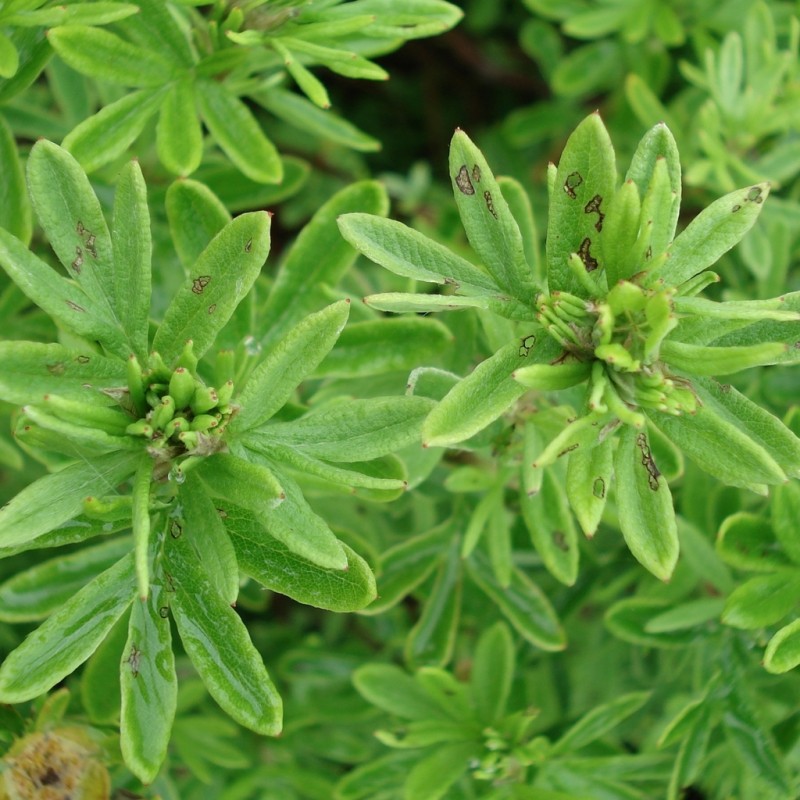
(543, 546)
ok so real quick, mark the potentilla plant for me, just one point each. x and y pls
(199, 458)
(617, 320)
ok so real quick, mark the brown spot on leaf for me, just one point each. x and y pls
(560, 541)
(647, 461)
(78, 261)
(212, 308)
(75, 306)
(83, 359)
(526, 345)
(755, 194)
(463, 182)
(487, 196)
(248, 246)
(175, 529)
(573, 181)
(476, 173)
(163, 612)
(133, 660)
(91, 246)
(599, 488)
(736, 208)
(199, 284)
(55, 369)
(589, 261)
(593, 207)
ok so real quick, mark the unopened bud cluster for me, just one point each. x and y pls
(175, 408)
(618, 339)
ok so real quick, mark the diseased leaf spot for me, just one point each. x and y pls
(526, 345)
(487, 196)
(463, 182)
(212, 308)
(648, 254)
(568, 449)
(573, 181)
(589, 261)
(200, 283)
(75, 306)
(248, 245)
(599, 488)
(163, 612)
(91, 245)
(83, 359)
(175, 529)
(755, 194)
(647, 461)
(78, 261)
(222, 513)
(736, 208)
(133, 660)
(55, 369)
(80, 229)
(476, 173)
(593, 207)
(560, 541)
(169, 582)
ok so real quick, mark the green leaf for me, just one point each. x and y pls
(476, 400)
(228, 476)
(435, 774)
(411, 254)
(783, 651)
(149, 686)
(599, 721)
(584, 185)
(54, 499)
(140, 523)
(491, 229)
(218, 644)
(430, 642)
(588, 481)
(287, 363)
(492, 673)
(357, 430)
(208, 536)
(523, 604)
(131, 245)
(101, 54)
(69, 636)
(229, 266)
(9, 57)
(156, 29)
(378, 779)
(15, 210)
(273, 564)
(237, 132)
(31, 370)
(37, 592)
(400, 302)
(391, 689)
(100, 692)
(700, 360)
(644, 503)
(712, 233)
(196, 215)
(621, 230)
(745, 541)
(686, 615)
(551, 528)
(179, 139)
(405, 566)
(763, 600)
(112, 130)
(301, 113)
(785, 513)
(375, 347)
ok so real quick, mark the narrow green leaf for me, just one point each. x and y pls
(206, 531)
(785, 513)
(491, 229)
(763, 600)
(31, 370)
(54, 499)
(179, 139)
(379, 778)
(142, 481)
(476, 400)
(711, 234)
(15, 210)
(700, 360)
(687, 615)
(156, 29)
(599, 721)
(271, 563)
(399, 303)
(237, 132)
(149, 686)
(358, 430)
(584, 185)
(287, 363)
(100, 692)
(69, 636)
(430, 642)
(301, 113)
(588, 481)
(195, 215)
(436, 773)
(644, 503)
(112, 130)
(218, 644)
(375, 347)
(306, 81)
(218, 282)
(523, 604)
(551, 528)
(747, 542)
(131, 246)
(37, 592)
(492, 673)
(228, 476)
(411, 254)
(9, 57)
(621, 230)
(783, 651)
(101, 54)
(391, 689)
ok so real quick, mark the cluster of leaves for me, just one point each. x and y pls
(203, 459)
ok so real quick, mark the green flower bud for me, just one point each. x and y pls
(205, 398)
(181, 387)
(163, 413)
(202, 422)
(136, 385)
